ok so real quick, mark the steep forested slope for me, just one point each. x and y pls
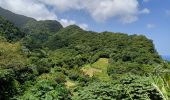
(50, 26)
(30, 25)
(18, 20)
(117, 46)
(44, 61)
(9, 31)
(11, 61)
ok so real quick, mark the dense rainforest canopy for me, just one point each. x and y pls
(41, 60)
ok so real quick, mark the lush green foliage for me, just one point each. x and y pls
(49, 26)
(49, 62)
(127, 88)
(39, 33)
(46, 90)
(117, 46)
(11, 55)
(11, 61)
(9, 31)
(16, 19)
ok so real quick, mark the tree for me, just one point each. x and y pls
(46, 90)
(127, 88)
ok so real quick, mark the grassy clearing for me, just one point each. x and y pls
(97, 69)
(88, 70)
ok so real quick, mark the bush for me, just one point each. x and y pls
(119, 68)
(8, 87)
(73, 74)
(60, 78)
(127, 88)
(46, 90)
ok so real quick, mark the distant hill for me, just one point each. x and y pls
(166, 58)
(18, 20)
(30, 25)
(118, 46)
(93, 45)
(50, 26)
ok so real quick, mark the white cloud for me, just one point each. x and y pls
(37, 10)
(124, 10)
(30, 8)
(63, 5)
(66, 22)
(150, 26)
(84, 26)
(127, 11)
(145, 11)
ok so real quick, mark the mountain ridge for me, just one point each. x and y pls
(16, 19)
(28, 24)
(51, 62)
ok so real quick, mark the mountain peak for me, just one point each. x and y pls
(30, 25)
(73, 27)
(16, 19)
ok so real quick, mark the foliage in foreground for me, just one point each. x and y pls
(40, 65)
(46, 90)
(9, 31)
(127, 88)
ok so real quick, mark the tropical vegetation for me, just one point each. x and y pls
(41, 60)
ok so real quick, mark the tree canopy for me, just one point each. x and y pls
(41, 60)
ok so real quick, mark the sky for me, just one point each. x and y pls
(147, 17)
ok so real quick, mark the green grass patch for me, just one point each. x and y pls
(98, 69)
(70, 84)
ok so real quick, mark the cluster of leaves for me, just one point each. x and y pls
(11, 55)
(46, 90)
(119, 68)
(161, 81)
(126, 88)
(42, 61)
(11, 61)
(7, 87)
(67, 57)
(9, 31)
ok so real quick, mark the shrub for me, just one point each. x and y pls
(127, 88)
(46, 90)
(60, 78)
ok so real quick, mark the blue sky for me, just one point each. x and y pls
(147, 17)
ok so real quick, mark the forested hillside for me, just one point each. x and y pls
(9, 31)
(30, 25)
(18, 20)
(44, 61)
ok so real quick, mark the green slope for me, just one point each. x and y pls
(49, 26)
(118, 46)
(30, 25)
(18, 20)
(9, 31)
